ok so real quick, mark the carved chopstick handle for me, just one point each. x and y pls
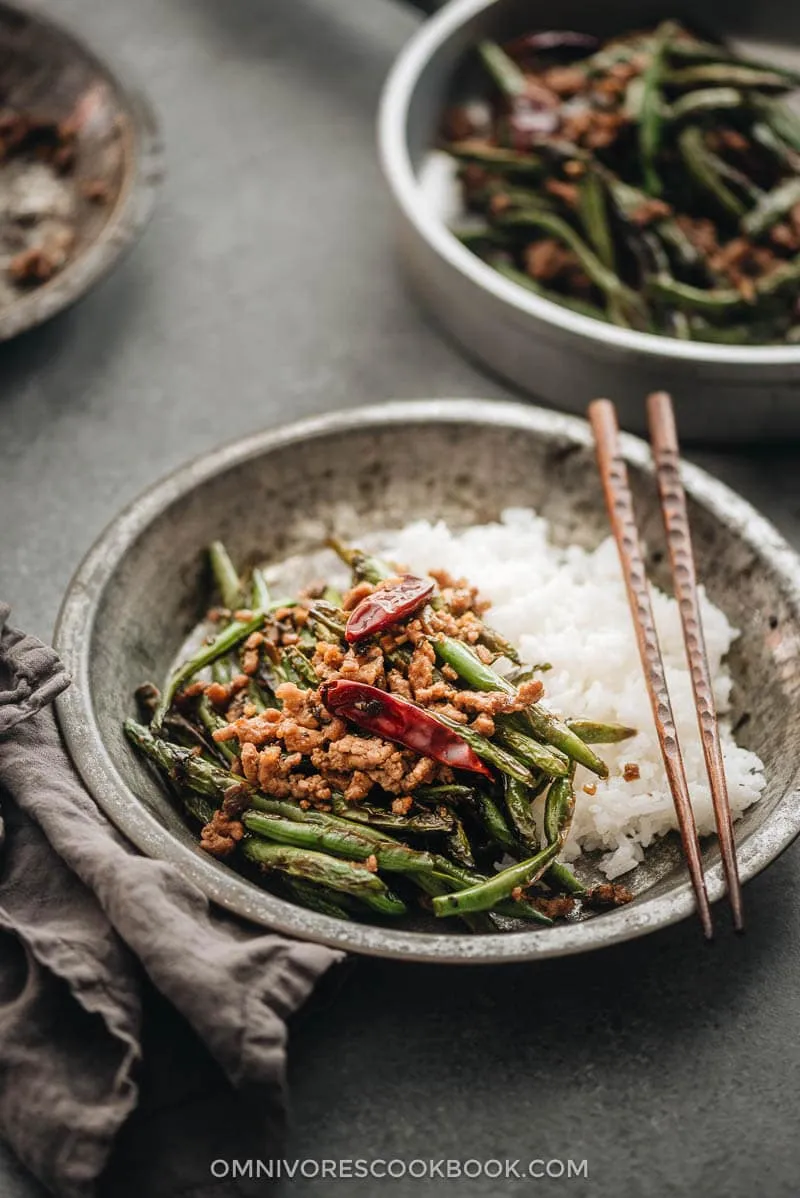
(666, 456)
(619, 502)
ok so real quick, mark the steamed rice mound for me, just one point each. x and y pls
(568, 607)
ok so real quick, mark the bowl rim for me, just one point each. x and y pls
(143, 172)
(401, 83)
(79, 728)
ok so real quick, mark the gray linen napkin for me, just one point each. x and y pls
(81, 914)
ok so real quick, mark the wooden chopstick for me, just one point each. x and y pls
(664, 442)
(619, 501)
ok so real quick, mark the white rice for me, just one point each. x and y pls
(568, 607)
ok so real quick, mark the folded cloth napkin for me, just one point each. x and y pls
(82, 914)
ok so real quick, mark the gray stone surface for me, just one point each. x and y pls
(266, 289)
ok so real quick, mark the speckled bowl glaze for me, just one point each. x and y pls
(144, 584)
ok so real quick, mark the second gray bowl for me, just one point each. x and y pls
(722, 393)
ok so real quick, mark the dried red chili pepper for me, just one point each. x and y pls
(398, 720)
(388, 605)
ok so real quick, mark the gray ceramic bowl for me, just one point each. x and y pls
(48, 71)
(144, 584)
(723, 393)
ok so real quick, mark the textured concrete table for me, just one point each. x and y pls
(266, 289)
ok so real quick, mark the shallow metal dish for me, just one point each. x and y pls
(48, 71)
(144, 585)
(723, 393)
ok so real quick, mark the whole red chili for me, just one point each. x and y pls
(398, 720)
(388, 605)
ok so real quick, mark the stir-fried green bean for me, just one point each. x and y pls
(328, 871)
(544, 725)
(518, 804)
(593, 733)
(266, 791)
(225, 576)
(660, 160)
(228, 639)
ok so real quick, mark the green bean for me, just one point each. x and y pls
(221, 671)
(709, 99)
(526, 673)
(521, 910)
(714, 301)
(782, 120)
(582, 307)
(703, 166)
(772, 206)
(503, 70)
(495, 642)
(212, 721)
(323, 821)
(225, 576)
(604, 278)
(531, 751)
(226, 640)
(289, 810)
(633, 103)
(594, 217)
(317, 898)
(651, 118)
(487, 750)
(593, 211)
(763, 135)
(436, 794)
(756, 333)
(676, 240)
(700, 51)
(485, 241)
(558, 810)
(256, 696)
(617, 52)
(485, 895)
(479, 923)
(629, 199)
(495, 158)
(364, 566)
(495, 823)
(422, 823)
(592, 732)
(329, 618)
(545, 725)
(327, 837)
(198, 807)
(561, 878)
(721, 74)
(784, 278)
(680, 325)
(260, 590)
(301, 667)
(327, 871)
(458, 844)
(518, 804)
(182, 766)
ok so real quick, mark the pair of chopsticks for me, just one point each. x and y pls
(619, 501)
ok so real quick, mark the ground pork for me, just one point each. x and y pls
(367, 667)
(220, 836)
